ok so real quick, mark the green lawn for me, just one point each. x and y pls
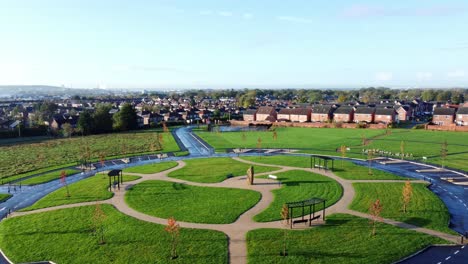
(214, 170)
(327, 140)
(94, 188)
(191, 203)
(321, 140)
(283, 160)
(47, 177)
(297, 186)
(27, 157)
(428, 144)
(4, 197)
(65, 236)
(152, 168)
(344, 239)
(425, 208)
(350, 171)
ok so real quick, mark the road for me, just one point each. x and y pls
(454, 196)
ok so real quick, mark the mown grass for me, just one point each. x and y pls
(425, 208)
(29, 157)
(420, 143)
(47, 177)
(350, 171)
(300, 185)
(283, 160)
(191, 203)
(214, 170)
(94, 188)
(325, 140)
(4, 197)
(66, 236)
(424, 143)
(152, 168)
(344, 239)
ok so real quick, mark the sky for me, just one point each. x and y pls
(234, 44)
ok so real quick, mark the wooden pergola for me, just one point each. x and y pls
(303, 204)
(323, 162)
(116, 178)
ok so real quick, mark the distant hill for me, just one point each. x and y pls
(35, 90)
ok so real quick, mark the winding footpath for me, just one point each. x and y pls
(236, 231)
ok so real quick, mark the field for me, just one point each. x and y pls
(297, 186)
(420, 143)
(66, 236)
(214, 170)
(151, 168)
(425, 209)
(27, 157)
(344, 239)
(428, 144)
(318, 140)
(47, 177)
(190, 203)
(94, 188)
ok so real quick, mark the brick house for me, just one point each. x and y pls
(344, 114)
(462, 116)
(284, 114)
(266, 113)
(385, 115)
(443, 116)
(294, 115)
(364, 114)
(301, 115)
(322, 113)
(250, 115)
(405, 112)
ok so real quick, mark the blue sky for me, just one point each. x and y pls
(224, 44)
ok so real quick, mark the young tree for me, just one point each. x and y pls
(99, 218)
(407, 194)
(63, 180)
(259, 143)
(275, 135)
(343, 153)
(375, 209)
(285, 221)
(444, 152)
(173, 229)
(165, 128)
(402, 149)
(370, 156)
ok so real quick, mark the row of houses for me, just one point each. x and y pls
(384, 114)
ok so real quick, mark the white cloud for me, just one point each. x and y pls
(424, 76)
(457, 74)
(247, 16)
(295, 19)
(384, 76)
(225, 13)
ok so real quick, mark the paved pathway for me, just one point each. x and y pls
(237, 231)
